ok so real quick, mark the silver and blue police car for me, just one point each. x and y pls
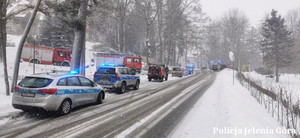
(56, 91)
(116, 77)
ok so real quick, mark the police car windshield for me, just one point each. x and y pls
(33, 82)
(106, 71)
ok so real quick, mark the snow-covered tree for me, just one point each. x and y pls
(276, 42)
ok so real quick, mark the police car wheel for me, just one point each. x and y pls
(65, 107)
(136, 86)
(99, 98)
(123, 87)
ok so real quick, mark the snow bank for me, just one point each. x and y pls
(227, 111)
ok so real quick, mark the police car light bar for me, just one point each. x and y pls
(73, 72)
(111, 65)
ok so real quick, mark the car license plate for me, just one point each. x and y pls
(27, 94)
(104, 78)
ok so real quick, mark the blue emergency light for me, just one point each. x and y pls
(107, 65)
(190, 65)
(73, 72)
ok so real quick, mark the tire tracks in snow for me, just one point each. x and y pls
(24, 127)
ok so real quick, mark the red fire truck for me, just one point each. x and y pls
(44, 55)
(133, 62)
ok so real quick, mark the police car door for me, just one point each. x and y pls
(77, 90)
(132, 77)
(127, 74)
(89, 90)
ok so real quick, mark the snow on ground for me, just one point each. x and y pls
(227, 111)
(289, 82)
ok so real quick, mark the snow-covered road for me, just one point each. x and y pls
(227, 111)
(108, 119)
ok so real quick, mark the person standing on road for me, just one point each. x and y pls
(167, 70)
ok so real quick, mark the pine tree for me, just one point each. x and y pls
(276, 42)
(55, 34)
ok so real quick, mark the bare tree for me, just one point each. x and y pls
(252, 49)
(4, 18)
(293, 24)
(3, 6)
(21, 44)
(213, 41)
(159, 4)
(149, 11)
(235, 25)
(122, 13)
(293, 21)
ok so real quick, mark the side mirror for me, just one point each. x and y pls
(133, 71)
(94, 84)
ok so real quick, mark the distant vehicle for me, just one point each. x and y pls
(116, 77)
(157, 72)
(132, 62)
(190, 69)
(203, 68)
(219, 67)
(44, 55)
(56, 91)
(177, 71)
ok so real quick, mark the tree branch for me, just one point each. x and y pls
(12, 14)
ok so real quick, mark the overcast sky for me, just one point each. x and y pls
(255, 10)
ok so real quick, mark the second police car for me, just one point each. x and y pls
(56, 91)
(116, 77)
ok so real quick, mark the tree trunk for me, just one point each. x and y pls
(122, 36)
(148, 45)
(159, 25)
(3, 43)
(21, 44)
(122, 17)
(276, 73)
(79, 41)
(82, 61)
(186, 50)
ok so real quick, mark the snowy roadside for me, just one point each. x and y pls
(289, 82)
(228, 111)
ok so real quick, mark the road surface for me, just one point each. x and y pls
(151, 111)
